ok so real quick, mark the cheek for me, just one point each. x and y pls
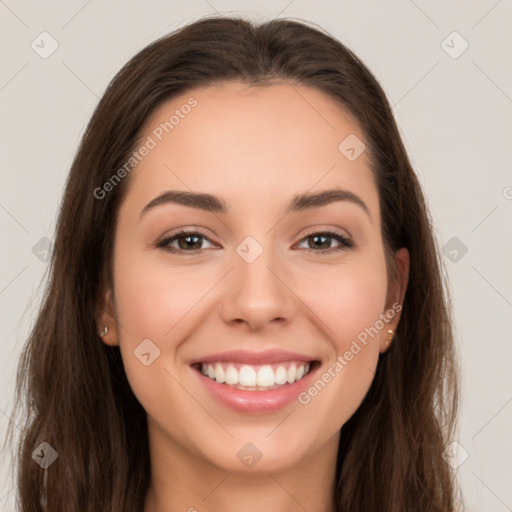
(349, 303)
(153, 300)
(346, 300)
(152, 297)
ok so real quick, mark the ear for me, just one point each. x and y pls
(395, 298)
(106, 318)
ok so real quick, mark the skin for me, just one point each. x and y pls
(255, 147)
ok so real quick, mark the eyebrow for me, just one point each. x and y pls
(214, 204)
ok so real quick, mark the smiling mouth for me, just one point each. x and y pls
(248, 377)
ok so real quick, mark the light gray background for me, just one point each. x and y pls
(454, 115)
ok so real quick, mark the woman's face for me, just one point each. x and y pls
(257, 292)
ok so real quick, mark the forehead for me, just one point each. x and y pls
(252, 144)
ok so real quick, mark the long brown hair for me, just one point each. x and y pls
(72, 391)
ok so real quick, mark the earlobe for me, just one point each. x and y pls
(390, 333)
(107, 330)
(387, 336)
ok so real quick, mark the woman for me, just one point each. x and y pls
(246, 308)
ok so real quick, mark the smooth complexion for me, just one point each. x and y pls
(255, 148)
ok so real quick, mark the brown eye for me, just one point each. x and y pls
(323, 240)
(187, 241)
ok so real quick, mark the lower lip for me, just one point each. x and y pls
(256, 401)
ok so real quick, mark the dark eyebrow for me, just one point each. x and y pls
(308, 201)
(214, 204)
(202, 201)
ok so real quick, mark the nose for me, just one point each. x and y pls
(258, 293)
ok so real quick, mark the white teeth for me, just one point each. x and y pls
(292, 373)
(281, 376)
(219, 373)
(255, 377)
(231, 375)
(247, 376)
(266, 376)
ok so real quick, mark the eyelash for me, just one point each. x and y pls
(345, 243)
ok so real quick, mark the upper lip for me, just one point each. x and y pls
(251, 357)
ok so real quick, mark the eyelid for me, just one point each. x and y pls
(187, 230)
(184, 231)
(324, 228)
